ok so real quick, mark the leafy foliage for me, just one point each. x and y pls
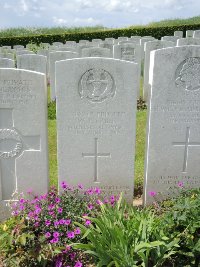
(125, 236)
(156, 32)
(183, 219)
(42, 229)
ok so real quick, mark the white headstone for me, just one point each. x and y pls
(18, 47)
(96, 52)
(83, 41)
(170, 38)
(7, 55)
(173, 142)
(23, 133)
(53, 57)
(135, 38)
(24, 52)
(189, 33)
(129, 52)
(122, 38)
(7, 63)
(150, 46)
(188, 41)
(57, 44)
(32, 62)
(71, 43)
(96, 112)
(196, 34)
(179, 34)
(144, 40)
(45, 52)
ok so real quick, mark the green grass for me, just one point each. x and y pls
(29, 31)
(176, 22)
(139, 158)
(52, 152)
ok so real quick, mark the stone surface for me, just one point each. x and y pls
(179, 34)
(189, 33)
(144, 40)
(18, 47)
(53, 57)
(96, 52)
(196, 34)
(24, 52)
(150, 46)
(173, 141)
(129, 52)
(170, 38)
(188, 41)
(7, 55)
(7, 63)
(23, 133)
(32, 62)
(96, 112)
(57, 44)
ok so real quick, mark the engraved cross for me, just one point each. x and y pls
(96, 155)
(186, 144)
(12, 145)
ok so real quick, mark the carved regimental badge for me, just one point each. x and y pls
(96, 85)
(10, 143)
(187, 74)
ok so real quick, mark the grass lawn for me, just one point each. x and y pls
(139, 158)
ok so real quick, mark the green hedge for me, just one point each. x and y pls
(156, 32)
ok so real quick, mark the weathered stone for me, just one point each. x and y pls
(23, 133)
(173, 141)
(96, 112)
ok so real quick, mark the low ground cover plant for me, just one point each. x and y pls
(42, 228)
(83, 227)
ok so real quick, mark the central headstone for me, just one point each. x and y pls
(173, 142)
(96, 113)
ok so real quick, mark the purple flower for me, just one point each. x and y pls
(68, 221)
(56, 223)
(112, 198)
(21, 207)
(72, 255)
(37, 210)
(78, 264)
(47, 222)
(22, 200)
(54, 240)
(77, 231)
(152, 193)
(64, 185)
(90, 191)
(57, 200)
(80, 186)
(99, 202)
(87, 222)
(61, 221)
(97, 190)
(90, 206)
(70, 235)
(56, 234)
(60, 210)
(180, 184)
(47, 234)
